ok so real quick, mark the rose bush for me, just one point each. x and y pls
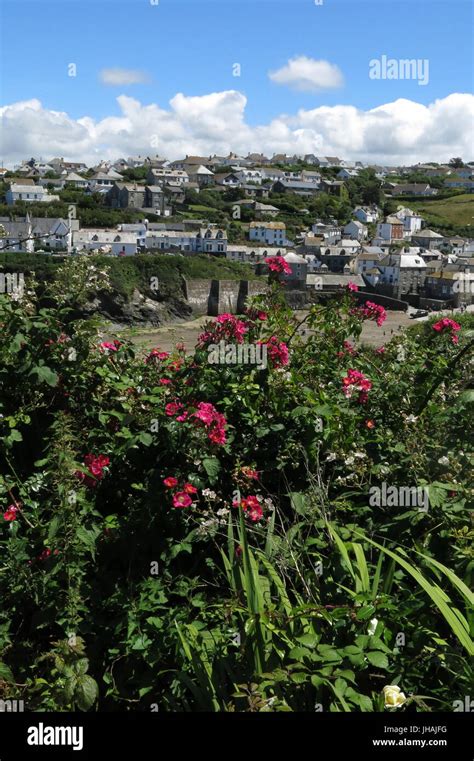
(184, 535)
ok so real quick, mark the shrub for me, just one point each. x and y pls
(191, 536)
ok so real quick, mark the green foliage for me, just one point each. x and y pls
(114, 598)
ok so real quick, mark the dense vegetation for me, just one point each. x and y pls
(130, 272)
(184, 536)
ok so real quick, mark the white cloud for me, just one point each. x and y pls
(402, 131)
(309, 75)
(122, 77)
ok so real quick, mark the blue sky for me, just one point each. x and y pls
(190, 47)
(304, 84)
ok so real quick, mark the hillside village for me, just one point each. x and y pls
(401, 232)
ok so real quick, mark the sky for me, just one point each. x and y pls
(90, 79)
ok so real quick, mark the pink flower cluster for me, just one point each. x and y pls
(277, 351)
(180, 498)
(278, 264)
(175, 409)
(355, 380)
(352, 287)
(347, 348)
(95, 465)
(252, 506)
(447, 324)
(106, 346)
(214, 422)
(256, 314)
(11, 513)
(156, 354)
(227, 327)
(371, 311)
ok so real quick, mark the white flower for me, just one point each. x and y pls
(350, 460)
(393, 696)
(411, 419)
(443, 461)
(331, 456)
(372, 626)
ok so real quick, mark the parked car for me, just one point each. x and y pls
(419, 313)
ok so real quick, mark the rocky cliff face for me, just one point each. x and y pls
(139, 309)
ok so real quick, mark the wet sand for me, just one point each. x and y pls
(187, 332)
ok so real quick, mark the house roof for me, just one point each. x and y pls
(403, 261)
(294, 258)
(334, 278)
(358, 224)
(426, 234)
(409, 186)
(202, 170)
(73, 177)
(17, 188)
(298, 184)
(269, 225)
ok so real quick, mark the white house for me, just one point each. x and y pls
(200, 175)
(366, 214)
(48, 233)
(349, 245)
(271, 233)
(250, 175)
(159, 176)
(308, 176)
(140, 230)
(390, 229)
(120, 243)
(76, 180)
(369, 258)
(330, 233)
(101, 182)
(355, 229)
(206, 240)
(412, 222)
(28, 193)
(251, 254)
(347, 174)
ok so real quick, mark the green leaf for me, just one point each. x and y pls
(81, 666)
(376, 658)
(298, 502)
(6, 673)
(434, 592)
(86, 692)
(146, 438)
(53, 528)
(212, 467)
(45, 374)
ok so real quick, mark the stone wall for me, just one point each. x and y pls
(215, 297)
(198, 293)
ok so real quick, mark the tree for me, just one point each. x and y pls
(456, 162)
